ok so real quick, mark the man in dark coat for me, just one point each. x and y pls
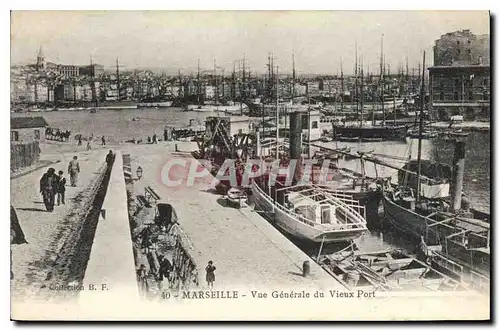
(16, 235)
(110, 158)
(48, 188)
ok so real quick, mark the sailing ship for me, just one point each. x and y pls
(438, 219)
(364, 131)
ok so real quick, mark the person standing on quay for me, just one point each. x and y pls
(210, 278)
(110, 158)
(48, 188)
(73, 170)
(155, 139)
(103, 141)
(88, 146)
(61, 188)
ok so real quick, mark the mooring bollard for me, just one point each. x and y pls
(306, 269)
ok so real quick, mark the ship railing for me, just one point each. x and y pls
(302, 219)
(449, 265)
(479, 281)
(346, 198)
(349, 212)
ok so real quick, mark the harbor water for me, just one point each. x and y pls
(127, 124)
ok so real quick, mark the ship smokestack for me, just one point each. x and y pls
(458, 173)
(296, 141)
(295, 135)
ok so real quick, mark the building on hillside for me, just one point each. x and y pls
(459, 81)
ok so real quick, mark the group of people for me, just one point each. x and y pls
(164, 274)
(53, 186)
(89, 141)
(154, 140)
(57, 134)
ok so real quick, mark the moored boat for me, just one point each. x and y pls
(236, 197)
(386, 270)
(347, 138)
(310, 213)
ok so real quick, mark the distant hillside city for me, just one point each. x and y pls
(459, 83)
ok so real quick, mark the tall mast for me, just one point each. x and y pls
(180, 83)
(118, 78)
(356, 77)
(216, 85)
(233, 90)
(199, 83)
(382, 78)
(277, 112)
(341, 86)
(92, 77)
(420, 128)
(293, 78)
(270, 78)
(361, 92)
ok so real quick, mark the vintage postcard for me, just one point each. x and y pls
(250, 165)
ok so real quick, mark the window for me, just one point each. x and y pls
(486, 95)
(37, 134)
(14, 136)
(471, 95)
(468, 51)
(455, 96)
(468, 41)
(485, 82)
(458, 42)
(441, 96)
(458, 51)
(315, 124)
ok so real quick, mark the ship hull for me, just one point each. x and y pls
(387, 133)
(297, 229)
(162, 104)
(403, 219)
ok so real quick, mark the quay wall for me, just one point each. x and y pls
(111, 267)
(69, 259)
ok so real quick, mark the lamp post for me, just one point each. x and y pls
(139, 172)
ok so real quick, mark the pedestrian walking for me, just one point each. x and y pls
(110, 158)
(210, 278)
(79, 140)
(73, 170)
(103, 141)
(142, 278)
(155, 139)
(88, 146)
(61, 188)
(48, 188)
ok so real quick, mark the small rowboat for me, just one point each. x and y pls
(348, 139)
(236, 197)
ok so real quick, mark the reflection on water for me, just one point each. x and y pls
(121, 125)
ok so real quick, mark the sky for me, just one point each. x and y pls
(177, 39)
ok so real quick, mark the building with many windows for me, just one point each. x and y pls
(459, 81)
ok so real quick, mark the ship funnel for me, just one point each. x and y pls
(458, 172)
(295, 135)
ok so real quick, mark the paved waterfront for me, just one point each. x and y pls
(247, 251)
(43, 229)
